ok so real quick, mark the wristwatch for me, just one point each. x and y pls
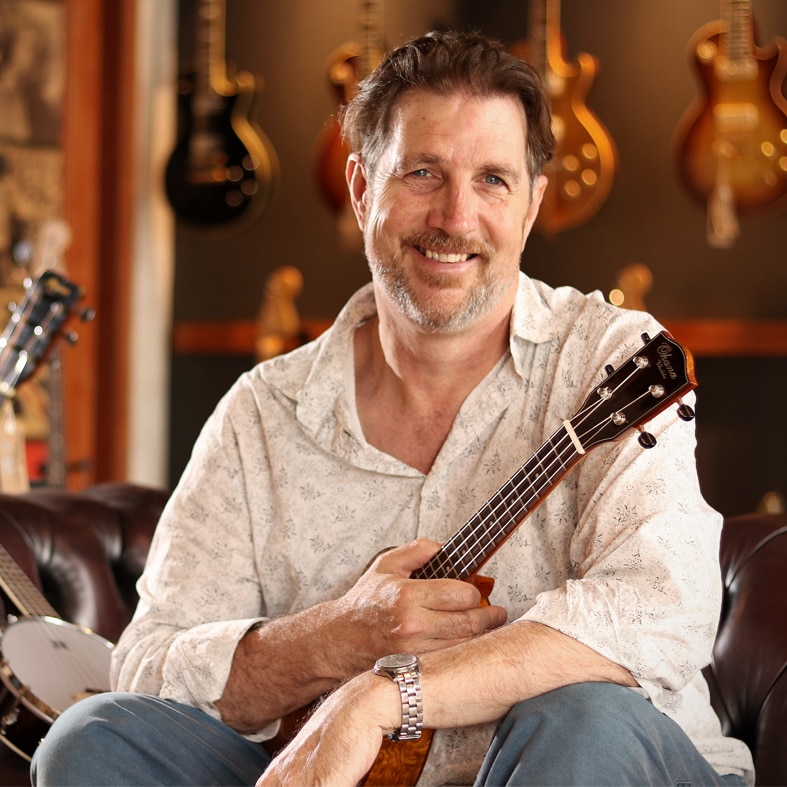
(405, 670)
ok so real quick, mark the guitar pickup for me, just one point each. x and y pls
(738, 117)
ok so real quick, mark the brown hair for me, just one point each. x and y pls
(448, 62)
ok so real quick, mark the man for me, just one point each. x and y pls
(435, 383)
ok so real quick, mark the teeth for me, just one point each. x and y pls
(436, 255)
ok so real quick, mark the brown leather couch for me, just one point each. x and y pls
(85, 550)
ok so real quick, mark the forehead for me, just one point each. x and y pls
(458, 126)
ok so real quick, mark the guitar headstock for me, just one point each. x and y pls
(34, 324)
(657, 375)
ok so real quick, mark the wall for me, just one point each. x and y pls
(644, 85)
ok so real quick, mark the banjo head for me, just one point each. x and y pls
(51, 664)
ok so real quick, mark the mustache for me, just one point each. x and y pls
(440, 241)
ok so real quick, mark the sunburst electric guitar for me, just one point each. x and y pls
(223, 168)
(731, 143)
(657, 375)
(583, 167)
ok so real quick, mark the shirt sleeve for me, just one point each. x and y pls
(199, 593)
(645, 586)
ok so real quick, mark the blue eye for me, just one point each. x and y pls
(493, 180)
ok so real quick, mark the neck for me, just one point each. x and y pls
(410, 384)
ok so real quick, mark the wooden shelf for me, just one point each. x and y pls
(704, 338)
(731, 338)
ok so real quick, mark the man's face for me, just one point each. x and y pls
(448, 208)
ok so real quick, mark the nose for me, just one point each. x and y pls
(452, 209)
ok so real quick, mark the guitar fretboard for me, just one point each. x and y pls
(21, 590)
(737, 41)
(475, 542)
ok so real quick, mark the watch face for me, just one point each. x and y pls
(398, 661)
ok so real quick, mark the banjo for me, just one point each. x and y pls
(46, 664)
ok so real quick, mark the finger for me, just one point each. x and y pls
(405, 559)
(465, 625)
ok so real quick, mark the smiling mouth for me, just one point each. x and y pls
(441, 256)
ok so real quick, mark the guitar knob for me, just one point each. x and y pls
(646, 439)
(685, 413)
(86, 315)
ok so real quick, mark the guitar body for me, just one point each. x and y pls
(583, 167)
(735, 132)
(222, 168)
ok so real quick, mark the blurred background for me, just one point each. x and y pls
(668, 194)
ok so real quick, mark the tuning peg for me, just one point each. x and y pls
(685, 413)
(646, 439)
(87, 315)
(72, 337)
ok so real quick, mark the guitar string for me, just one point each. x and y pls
(12, 344)
(546, 477)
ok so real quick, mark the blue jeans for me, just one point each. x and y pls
(588, 734)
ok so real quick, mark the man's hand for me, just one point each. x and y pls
(387, 612)
(339, 742)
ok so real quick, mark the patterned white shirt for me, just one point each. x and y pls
(284, 502)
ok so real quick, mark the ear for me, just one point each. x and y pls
(357, 184)
(537, 194)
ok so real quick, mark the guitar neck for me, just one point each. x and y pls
(544, 35)
(371, 25)
(27, 598)
(484, 533)
(737, 38)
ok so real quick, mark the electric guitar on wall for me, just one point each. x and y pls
(346, 67)
(657, 375)
(731, 143)
(583, 167)
(223, 167)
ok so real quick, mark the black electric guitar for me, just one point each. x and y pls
(223, 168)
(731, 143)
(583, 167)
(657, 375)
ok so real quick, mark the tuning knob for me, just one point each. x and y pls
(646, 439)
(685, 413)
(86, 315)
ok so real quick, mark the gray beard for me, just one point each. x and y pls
(429, 316)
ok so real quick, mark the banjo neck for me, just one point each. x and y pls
(27, 598)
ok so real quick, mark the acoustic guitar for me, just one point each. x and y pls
(45, 664)
(731, 142)
(657, 375)
(346, 67)
(223, 168)
(583, 167)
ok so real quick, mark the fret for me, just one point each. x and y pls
(27, 598)
(482, 534)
